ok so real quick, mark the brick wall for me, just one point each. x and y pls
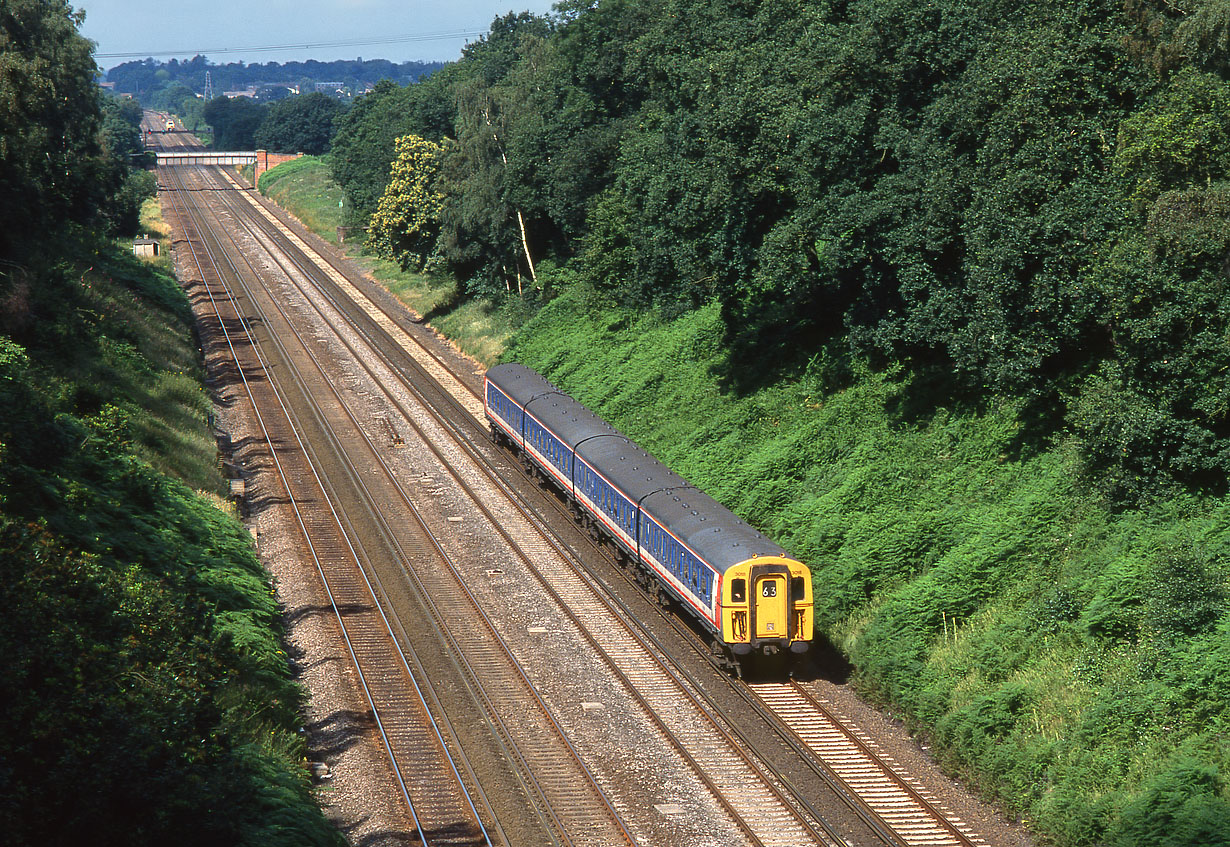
(266, 160)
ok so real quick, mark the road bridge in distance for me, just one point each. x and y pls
(207, 157)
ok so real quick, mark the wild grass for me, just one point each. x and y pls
(304, 187)
(1071, 661)
(1055, 651)
(478, 326)
(141, 628)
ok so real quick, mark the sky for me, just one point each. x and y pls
(223, 30)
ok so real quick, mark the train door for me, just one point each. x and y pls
(772, 604)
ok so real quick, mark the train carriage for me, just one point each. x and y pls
(507, 396)
(741, 586)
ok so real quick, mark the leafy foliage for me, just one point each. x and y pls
(1008, 200)
(936, 293)
(235, 121)
(52, 168)
(144, 637)
(1068, 659)
(150, 81)
(407, 219)
(363, 148)
(146, 694)
(301, 124)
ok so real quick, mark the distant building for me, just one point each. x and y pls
(337, 89)
(271, 92)
(247, 92)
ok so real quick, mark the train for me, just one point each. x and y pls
(169, 126)
(745, 591)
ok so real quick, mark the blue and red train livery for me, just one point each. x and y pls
(744, 589)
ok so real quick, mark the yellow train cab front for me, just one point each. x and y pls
(767, 605)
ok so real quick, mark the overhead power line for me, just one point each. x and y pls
(310, 45)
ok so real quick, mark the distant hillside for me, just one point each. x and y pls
(146, 77)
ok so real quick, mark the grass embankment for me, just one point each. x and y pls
(1072, 662)
(147, 698)
(305, 188)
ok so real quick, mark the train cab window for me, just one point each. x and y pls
(796, 588)
(738, 590)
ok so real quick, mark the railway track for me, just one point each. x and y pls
(901, 814)
(573, 808)
(843, 755)
(758, 807)
(439, 802)
(870, 777)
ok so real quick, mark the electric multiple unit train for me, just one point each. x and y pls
(742, 588)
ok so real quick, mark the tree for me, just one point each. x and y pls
(121, 128)
(484, 231)
(52, 169)
(363, 147)
(407, 219)
(171, 98)
(300, 124)
(235, 121)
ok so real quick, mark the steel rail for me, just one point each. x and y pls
(428, 599)
(631, 687)
(853, 796)
(782, 727)
(211, 259)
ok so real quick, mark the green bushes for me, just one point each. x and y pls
(1184, 805)
(147, 698)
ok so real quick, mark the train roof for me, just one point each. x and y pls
(520, 383)
(570, 421)
(708, 527)
(628, 466)
(704, 524)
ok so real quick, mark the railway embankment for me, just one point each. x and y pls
(1066, 657)
(147, 696)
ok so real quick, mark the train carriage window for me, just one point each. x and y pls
(796, 588)
(738, 590)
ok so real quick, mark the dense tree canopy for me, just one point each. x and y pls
(235, 121)
(52, 166)
(1012, 199)
(302, 124)
(363, 147)
(146, 78)
(145, 687)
